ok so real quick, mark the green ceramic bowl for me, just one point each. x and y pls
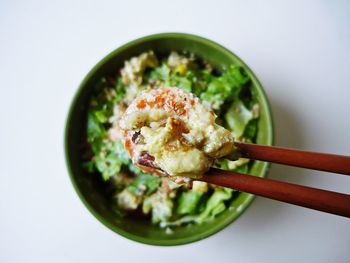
(90, 189)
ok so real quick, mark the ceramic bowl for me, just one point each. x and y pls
(90, 188)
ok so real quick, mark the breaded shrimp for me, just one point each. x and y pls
(168, 131)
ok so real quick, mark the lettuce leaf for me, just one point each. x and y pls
(251, 130)
(144, 183)
(225, 87)
(237, 117)
(160, 73)
(109, 157)
(95, 128)
(214, 206)
(188, 201)
(108, 165)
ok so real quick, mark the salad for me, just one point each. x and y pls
(226, 93)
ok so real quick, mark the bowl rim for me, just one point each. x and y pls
(121, 232)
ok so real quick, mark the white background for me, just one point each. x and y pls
(300, 50)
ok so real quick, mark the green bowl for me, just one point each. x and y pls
(90, 189)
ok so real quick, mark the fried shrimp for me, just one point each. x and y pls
(168, 131)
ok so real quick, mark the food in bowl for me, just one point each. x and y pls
(226, 95)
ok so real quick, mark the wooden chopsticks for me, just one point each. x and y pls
(311, 160)
(318, 199)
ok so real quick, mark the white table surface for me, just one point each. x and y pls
(300, 50)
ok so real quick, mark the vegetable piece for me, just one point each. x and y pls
(109, 157)
(94, 127)
(225, 87)
(120, 91)
(222, 164)
(250, 130)
(244, 168)
(144, 183)
(101, 116)
(215, 204)
(235, 76)
(188, 201)
(108, 166)
(233, 165)
(182, 82)
(237, 118)
(199, 186)
(160, 73)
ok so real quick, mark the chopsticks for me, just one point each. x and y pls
(318, 199)
(311, 160)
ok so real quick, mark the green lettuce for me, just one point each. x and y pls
(95, 128)
(110, 158)
(214, 206)
(237, 117)
(251, 130)
(225, 87)
(144, 183)
(188, 201)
